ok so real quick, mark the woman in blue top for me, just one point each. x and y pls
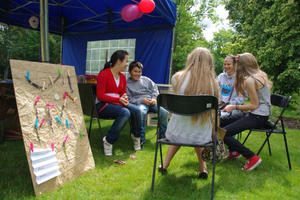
(251, 78)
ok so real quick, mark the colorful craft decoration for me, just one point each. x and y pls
(64, 105)
(64, 148)
(32, 83)
(37, 117)
(72, 98)
(42, 122)
(69, 80)
(67, 123)
(75, 131)
(31, 146)
(50, 118)
(58, 120)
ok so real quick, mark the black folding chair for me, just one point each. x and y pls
(282, 102)
(94, 113)
(186, 106)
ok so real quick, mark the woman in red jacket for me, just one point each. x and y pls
(113, 101)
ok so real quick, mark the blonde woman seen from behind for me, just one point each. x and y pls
(196, 129)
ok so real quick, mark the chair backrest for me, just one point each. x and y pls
(280, 101)
(188, 105)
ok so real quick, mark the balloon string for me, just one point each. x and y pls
(135, 1)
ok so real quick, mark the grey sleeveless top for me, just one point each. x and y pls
(264, 108)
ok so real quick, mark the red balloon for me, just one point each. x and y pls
(146, 6)
(130, 12)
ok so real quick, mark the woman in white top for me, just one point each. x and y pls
(197, 78)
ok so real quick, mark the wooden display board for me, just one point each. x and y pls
(52, 123)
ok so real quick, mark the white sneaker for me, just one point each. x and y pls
(136, 142)
(107, 147)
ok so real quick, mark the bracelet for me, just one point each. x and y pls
(236, 107)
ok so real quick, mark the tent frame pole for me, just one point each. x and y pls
(44, 30)
(171, 58)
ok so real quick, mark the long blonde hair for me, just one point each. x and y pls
(202, 80)
(248, 66)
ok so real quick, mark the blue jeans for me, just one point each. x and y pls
(121, 115)
(237, 123)
(164, 115)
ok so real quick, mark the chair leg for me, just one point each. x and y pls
(262, 146)
(287, 151)
(101, 132)
(91, 121)
(269, 146)
(154, 167)
(213, 173)
(247, 137)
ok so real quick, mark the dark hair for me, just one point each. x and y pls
(117, 55)
(134, 64)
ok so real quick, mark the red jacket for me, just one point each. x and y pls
(106, 84)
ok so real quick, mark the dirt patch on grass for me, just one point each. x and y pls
(293, 123)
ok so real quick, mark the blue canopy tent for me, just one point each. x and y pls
(81, 21)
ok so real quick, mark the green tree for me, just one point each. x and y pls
(188, 30)
(24, 44)
(221, 38)
(270, 31)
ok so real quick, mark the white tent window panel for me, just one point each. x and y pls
(100, 51)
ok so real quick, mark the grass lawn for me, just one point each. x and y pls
(270, 180)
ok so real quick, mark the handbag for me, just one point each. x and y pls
(208, 153)
(222, 104)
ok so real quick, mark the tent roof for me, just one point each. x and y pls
(79, 16)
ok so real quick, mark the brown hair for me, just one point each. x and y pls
(248, 66)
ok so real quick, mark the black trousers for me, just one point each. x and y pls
(236, 123)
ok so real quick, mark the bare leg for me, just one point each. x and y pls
(202, 164)
(172, 150)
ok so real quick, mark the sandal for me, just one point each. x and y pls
(136, 142)
(203, 175)
(107, 147)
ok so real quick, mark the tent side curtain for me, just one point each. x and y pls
(153, 49)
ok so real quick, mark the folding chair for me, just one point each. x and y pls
(282, 102)
(94, 113)
(186, 106)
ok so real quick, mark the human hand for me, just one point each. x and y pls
(125, 96)
(152, 101)
(237, 57)
(229, 108)
(146, 101)
(124, 101)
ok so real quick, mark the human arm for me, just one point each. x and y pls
(106, 84)
(154, 92)
(237, 100)
(254, 101)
